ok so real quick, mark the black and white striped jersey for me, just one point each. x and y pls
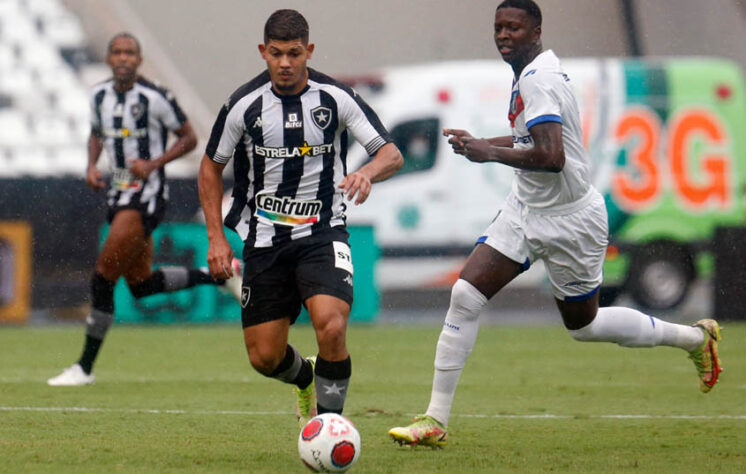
(134, 124)
(289, 155)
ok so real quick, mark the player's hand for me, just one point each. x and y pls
(219, 258)
(93, 179)
(476, 149)
(456, 139)
(140, 168)
(356, 183)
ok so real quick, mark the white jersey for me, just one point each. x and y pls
(543, 93)
(134, 124)
(289, 154)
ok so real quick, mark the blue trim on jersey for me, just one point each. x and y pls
(481, 240)
(543, 119)
(526, 264)
(583, 297)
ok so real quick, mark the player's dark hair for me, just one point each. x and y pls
(528, 6)
(123, 34)
(286, 25)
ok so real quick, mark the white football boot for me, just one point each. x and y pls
(71, 377)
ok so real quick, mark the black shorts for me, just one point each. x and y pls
(150, 220)
(277, 280)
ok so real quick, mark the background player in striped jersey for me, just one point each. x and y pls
(554, 214)
(131, 118)
(287, 132)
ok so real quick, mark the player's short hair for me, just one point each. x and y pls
(123, 34)
(528, 6)
(286, 25)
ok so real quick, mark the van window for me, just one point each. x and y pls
(418, 142)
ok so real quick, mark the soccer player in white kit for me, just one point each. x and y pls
(554, 214)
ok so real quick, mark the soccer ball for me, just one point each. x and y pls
(329, 443)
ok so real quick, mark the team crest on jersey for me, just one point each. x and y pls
(516, 107)
(322, 116)
(137, 110)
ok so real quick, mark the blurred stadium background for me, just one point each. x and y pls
(51, 53)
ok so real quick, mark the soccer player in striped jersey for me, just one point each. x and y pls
(554, 214)
(287, 133)
(131, 118)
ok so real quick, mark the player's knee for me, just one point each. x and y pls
(330, 331)
(264, 362)
(466, 300)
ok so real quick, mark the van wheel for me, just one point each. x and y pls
(659, 275)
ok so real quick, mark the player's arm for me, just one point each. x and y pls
(455, 136)
(547, 154)
(387, 161)
(93, 176)
(219, 253)
(186, 141)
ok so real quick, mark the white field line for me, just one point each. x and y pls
(284, 413)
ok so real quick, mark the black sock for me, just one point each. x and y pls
(332, 381)
(90, 351)
(199, 277)
(167, 279)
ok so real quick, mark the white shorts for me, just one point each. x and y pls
(571, 240)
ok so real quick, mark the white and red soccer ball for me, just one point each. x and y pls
(329, 443)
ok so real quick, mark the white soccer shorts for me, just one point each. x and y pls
(570, 239)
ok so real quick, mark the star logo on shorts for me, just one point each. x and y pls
(245, 296)
(322, 116)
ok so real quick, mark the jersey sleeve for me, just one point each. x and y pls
(95, 104)
(170, 112)
(363, 123)
(540, 98)
(227, 130)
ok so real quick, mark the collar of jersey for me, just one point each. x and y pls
(286, 98)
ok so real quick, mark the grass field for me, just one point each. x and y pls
(184, 399)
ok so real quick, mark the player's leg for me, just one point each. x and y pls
(270, 305)
(576, 250)
(492, 264)
(144, 281)
(333, 367)
(486, 272)
(123, 241)
(324, 273)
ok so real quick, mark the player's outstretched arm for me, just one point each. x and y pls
(186, 141)
(456, 136)
(385, 163)
(219, 253)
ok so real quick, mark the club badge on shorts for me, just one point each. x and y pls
(245, 296)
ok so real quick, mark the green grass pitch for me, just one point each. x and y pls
(184, 399)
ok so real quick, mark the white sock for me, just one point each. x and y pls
(454, 346)
(631, 328)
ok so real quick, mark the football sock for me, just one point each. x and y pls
(631, 328)
(455, 344)
(99, 321)
(290, 369)
(332, 380)
(90, 351)
(171, 279)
